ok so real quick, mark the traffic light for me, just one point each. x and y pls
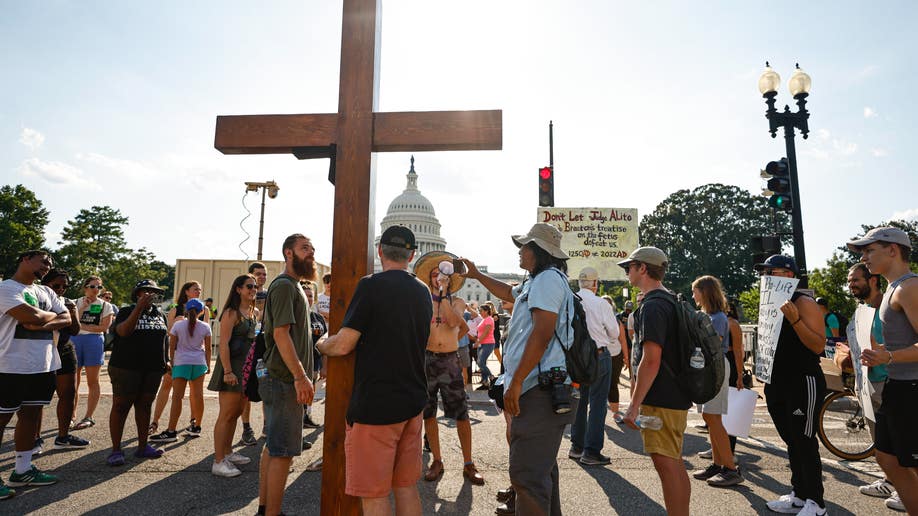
(778, 188)
(546, 187)
(764, 246)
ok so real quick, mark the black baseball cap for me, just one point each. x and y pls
(398, 236)
(778, 261)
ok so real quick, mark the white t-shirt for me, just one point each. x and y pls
(189, 349)
(93, 313)
(25, 351)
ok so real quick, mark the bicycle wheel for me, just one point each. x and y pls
(843, 427)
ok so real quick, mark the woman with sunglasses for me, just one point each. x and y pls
(96, 317)
(190, 290)
(237, 332)
(59, 281)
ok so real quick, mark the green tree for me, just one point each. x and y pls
(92, 242)
(909, 226)
(831, 282)
(749, 305)
(133, 266)
(23, 219)
(709, 230)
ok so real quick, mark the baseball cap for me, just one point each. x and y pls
(588, 274)
(194, 304)
(398, 236)
(778, 261)
(650, 255)
(629, 305)
(882, 234)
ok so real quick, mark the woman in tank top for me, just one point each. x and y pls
(96, 317)
(237, 332)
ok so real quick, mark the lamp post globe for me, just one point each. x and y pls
(799, 83)
(769, 81)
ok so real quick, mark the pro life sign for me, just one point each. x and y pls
(773, 292)
(595, 237)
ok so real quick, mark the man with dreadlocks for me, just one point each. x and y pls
(444, 374)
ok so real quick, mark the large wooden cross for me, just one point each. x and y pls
(349, 137)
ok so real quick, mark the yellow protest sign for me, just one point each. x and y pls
(595, 237)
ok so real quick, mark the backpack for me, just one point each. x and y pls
(580, 358)
(695, 331)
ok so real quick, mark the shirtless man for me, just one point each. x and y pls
(444, 375)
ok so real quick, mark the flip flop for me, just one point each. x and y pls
(86, 422)
(116, 458)
(148, 452)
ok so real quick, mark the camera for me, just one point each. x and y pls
(553, 380)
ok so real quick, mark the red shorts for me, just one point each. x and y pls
(381, 457)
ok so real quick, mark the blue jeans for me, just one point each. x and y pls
(592, 427)
(484, 351)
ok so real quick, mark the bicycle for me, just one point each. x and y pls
(842, 426)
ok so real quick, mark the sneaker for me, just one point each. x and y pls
(811, 508)
(315, 465)
(166, 436)
(33, 477)
(5, 492)
(309, 423)
(116, 458)
(248, 437)
(225, 468)
(39, 446)
(618, 417)
(708, 472)
(237, 458)
(726, 478)
(895, 503)
(575, 453)
(787, 504)
(194, 431)
(588, 459)
(69, 441)
(191, 425)
(881, 489)
(707, 454)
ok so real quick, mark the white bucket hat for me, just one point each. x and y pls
(546, 237)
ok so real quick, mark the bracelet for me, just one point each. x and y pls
(888, 352)
(298, 378)
(795, 322)
(229, 373)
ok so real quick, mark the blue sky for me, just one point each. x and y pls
(114, 103)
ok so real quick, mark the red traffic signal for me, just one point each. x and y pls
(546, 187)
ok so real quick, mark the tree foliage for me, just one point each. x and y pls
(831, 282)
(709, 230)
(23, 219)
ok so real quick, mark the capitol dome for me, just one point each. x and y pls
(414, 211)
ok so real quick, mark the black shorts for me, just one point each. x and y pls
(897, 422)
(128, 383)
(68, 358)
(32, 390)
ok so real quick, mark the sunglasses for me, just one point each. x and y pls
(250, 286)
(770, 272)
(93, 286)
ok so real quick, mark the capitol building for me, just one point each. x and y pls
(414, 211)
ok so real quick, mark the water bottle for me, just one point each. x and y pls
(697, 360)
(257, 328)
(260, 370)
(649, 422)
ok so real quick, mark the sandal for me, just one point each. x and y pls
(116, 458)
(86, 422)
(154, 426)
(148, 452)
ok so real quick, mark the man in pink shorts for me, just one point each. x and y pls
(387, 325)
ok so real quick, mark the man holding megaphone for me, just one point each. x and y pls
(444, 375)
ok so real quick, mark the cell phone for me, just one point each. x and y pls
(459, 267)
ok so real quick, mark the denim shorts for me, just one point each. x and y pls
(283, 417)
(90, 349)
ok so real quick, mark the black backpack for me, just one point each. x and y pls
(695, 331)
(580, 357)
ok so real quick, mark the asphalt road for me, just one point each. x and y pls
(181, 483)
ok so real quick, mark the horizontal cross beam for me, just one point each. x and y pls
(392, 132)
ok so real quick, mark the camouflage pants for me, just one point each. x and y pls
(444, 376)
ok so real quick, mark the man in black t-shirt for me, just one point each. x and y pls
(656, 393)
(387, 325)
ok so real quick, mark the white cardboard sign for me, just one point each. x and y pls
(858, 332)
(773, 292)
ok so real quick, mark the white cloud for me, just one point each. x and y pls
(31, 138)
(869, 112)
(909, 214)
(56, 173)
(843, 147)
(879, 152)
(127, 167)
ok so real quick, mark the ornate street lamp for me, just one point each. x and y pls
(799, 86)
(267, 187)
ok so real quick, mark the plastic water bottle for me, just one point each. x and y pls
(258, 328)
(260, 370)
(649, 422)
(697, 360)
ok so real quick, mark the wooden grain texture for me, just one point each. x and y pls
(437, 131)
(273, 134)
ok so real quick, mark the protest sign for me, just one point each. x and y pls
(595, 237)
(773, 292)
(858, 338)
